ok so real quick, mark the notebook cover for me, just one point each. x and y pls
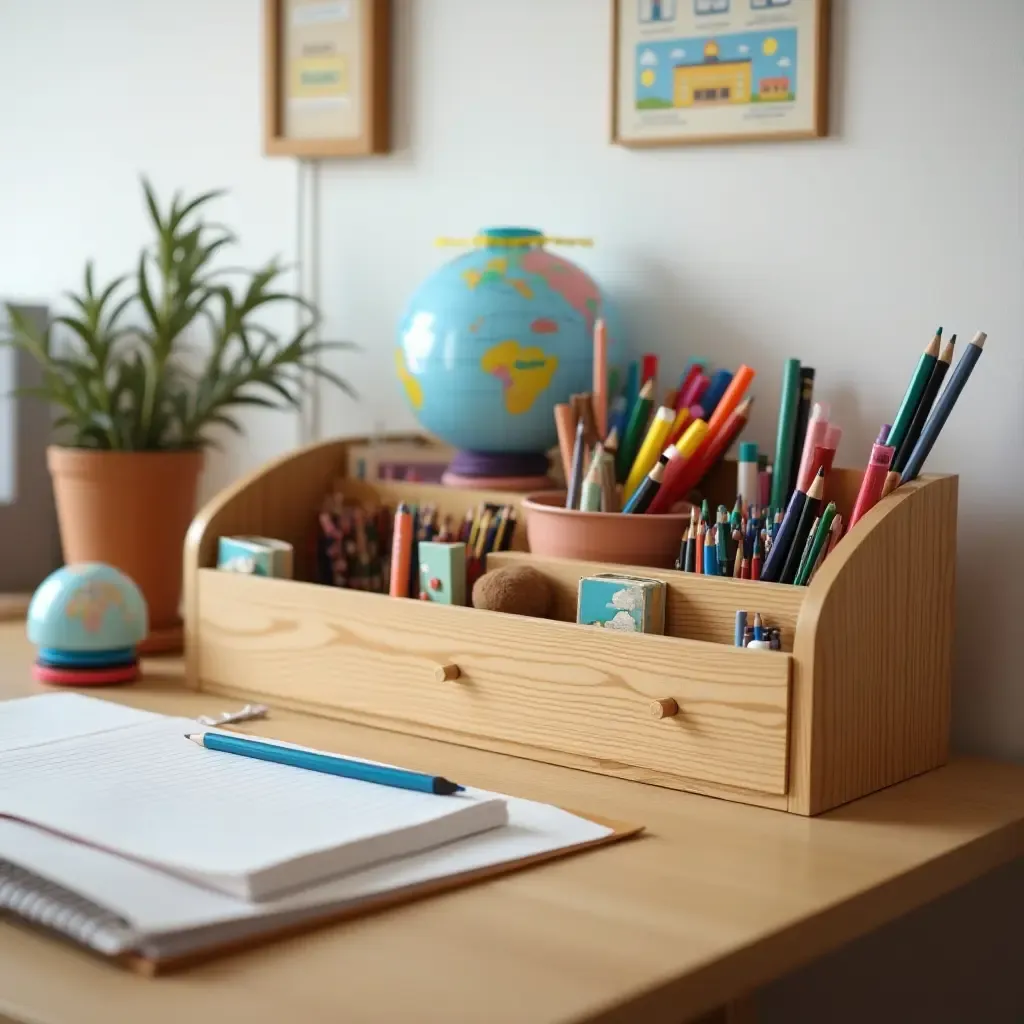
(385, 901)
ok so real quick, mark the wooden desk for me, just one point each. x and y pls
(714, 901)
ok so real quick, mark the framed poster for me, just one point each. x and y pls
(326, 77)
(692, 71)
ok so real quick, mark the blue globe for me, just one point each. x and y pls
(493, 340)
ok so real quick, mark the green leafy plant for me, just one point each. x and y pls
(156, 359)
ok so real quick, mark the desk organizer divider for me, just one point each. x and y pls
(858, 699)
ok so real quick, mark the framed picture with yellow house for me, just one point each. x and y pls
(698, 71)
(326, 77)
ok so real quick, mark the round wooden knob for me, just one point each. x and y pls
(446, 673)
(666, 707)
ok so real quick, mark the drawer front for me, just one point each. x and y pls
(544, 686)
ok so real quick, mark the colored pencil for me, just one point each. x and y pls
(734, 394)
(629, 444)
(714, 448)
(737, 563)
(617, 415)
(924, 407)
(401, 551)
(789, 400)
(915, 390)
(681, 422)
(720, 381)
(710, 553)
(653, 445)
(691, 548)
(686, 446)
(781, 536)
(943, 407)
(819, 540)
(609, 489)
(683, 396)
(590, 492)
(566, 427)
(803, 415)
(756, 558)
(649, 369)
(600, 382)
(722, 540)
(644, 494)
(808, 514)
(631, 389)
(572, 495)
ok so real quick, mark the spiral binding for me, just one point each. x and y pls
(496, 242)
(44, 903)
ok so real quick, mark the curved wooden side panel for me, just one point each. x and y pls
(275, 501)
(873, 652)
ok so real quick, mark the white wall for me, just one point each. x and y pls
(846, 252)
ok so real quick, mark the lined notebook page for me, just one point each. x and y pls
(45, 718)
(148, 793)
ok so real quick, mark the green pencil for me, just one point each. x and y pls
(722, 534)
(821, 537)
(635, 431)
(916, 388)
(789, 403)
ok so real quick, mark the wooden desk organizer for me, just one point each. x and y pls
(858, 700)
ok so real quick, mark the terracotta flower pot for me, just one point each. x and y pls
(130, 510)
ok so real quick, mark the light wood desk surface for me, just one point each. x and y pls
(715, 900)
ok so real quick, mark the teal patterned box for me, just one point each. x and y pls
(630, 604)
(255, 556)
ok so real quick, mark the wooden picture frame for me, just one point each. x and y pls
(687, 72)
(326, 90)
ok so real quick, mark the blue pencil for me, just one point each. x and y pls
(741, 628)
(720, 380)
(618, 416)
(329, 764)
(710, 553)
(943, 407)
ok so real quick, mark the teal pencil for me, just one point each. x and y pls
(789, 403)
(915, 390)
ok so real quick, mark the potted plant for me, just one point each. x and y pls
(143, 372)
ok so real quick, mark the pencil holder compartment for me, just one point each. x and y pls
(857, 699)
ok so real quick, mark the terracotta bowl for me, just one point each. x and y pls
(558, 532)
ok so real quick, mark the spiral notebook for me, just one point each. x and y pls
(82, 856)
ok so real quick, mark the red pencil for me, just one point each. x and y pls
(702, 460)
(649, 369)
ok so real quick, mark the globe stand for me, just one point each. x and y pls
(499, 471)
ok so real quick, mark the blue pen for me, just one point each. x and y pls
(329, 764)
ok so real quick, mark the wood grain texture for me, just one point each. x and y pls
(873, 654)
(698, 607)
(281, 500)
(715, 900)
(548, 687)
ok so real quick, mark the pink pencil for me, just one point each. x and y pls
(600, 387)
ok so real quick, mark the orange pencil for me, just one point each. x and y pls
(600, 383)
(565, 425)
(401, 552)
(733, 396)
